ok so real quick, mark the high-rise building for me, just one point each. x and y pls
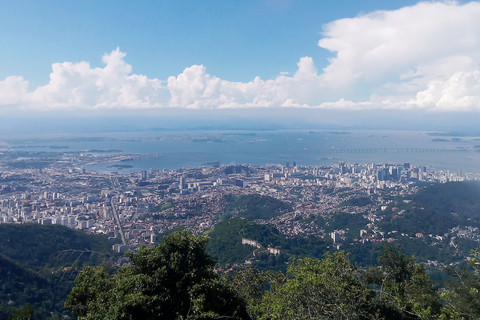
(335, 236)
(182, 184)
(240, 183)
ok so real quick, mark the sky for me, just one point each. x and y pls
(265, 57)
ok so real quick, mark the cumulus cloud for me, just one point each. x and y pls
(78, 84)
(12, 90)
(425, 56)
(405, 51)
(460, 92)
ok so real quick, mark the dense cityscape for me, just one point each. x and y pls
(136, 207)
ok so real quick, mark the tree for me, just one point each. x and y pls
(404, 289)
(174, 280)
(24, 313)
(462, 299)
(319, 289)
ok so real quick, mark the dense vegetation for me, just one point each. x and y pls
(226, 240)
(256, 207)
(39, 263)
(432, 214)
(436, 209)
(20, 286)
(226, 244)
(175, 280)
(50, 246)
(359, 202)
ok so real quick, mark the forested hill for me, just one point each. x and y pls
(226, 245)
(39, 263)
(51, 246)
(256, 207)
(461, 198)
(440, 224)
(20, 286)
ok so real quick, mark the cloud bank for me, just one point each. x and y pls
(423, 57)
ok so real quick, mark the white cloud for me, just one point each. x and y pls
(77, 84)
(12, 90)
(425, 56)
(404, 51)
(460, 92)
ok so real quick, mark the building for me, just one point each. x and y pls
(240, 183)
(153, 238)
(120, 248)
(274, 251)
(251, 242)
(182, 184)
(335, 237)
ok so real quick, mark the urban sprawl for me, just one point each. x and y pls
(133, 208)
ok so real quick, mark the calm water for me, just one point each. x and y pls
(196, 149)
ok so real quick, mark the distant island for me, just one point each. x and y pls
(120, 166)
(454, 134)
(337, 132)
(447, 140)
(105, 151)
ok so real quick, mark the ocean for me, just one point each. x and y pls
(189, 149)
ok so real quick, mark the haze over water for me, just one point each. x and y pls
(190, 149)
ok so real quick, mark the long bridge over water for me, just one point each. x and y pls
(395, 150)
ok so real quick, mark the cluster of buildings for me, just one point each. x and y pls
(134, 208)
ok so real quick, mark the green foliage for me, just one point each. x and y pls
(174, 280)
(462, 297)
(319, 289)
(20, 286)
(404, 288)
(435, 210)
(352, 223)
(38, 264)
(334, 288)
(257, 207)
(162, 207)
(51, 246)
(25, 313)
(226, 239)
(226, 244)
(251, 284)
(459, 197)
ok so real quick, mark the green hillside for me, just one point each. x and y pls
(39, 263)
(51, 246)
(433, 212)
(226, 244)
(429, 221)
(20, 286)
(256, 207)
(226, 240)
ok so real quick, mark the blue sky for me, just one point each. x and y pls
(310, 54)
(235, 40)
